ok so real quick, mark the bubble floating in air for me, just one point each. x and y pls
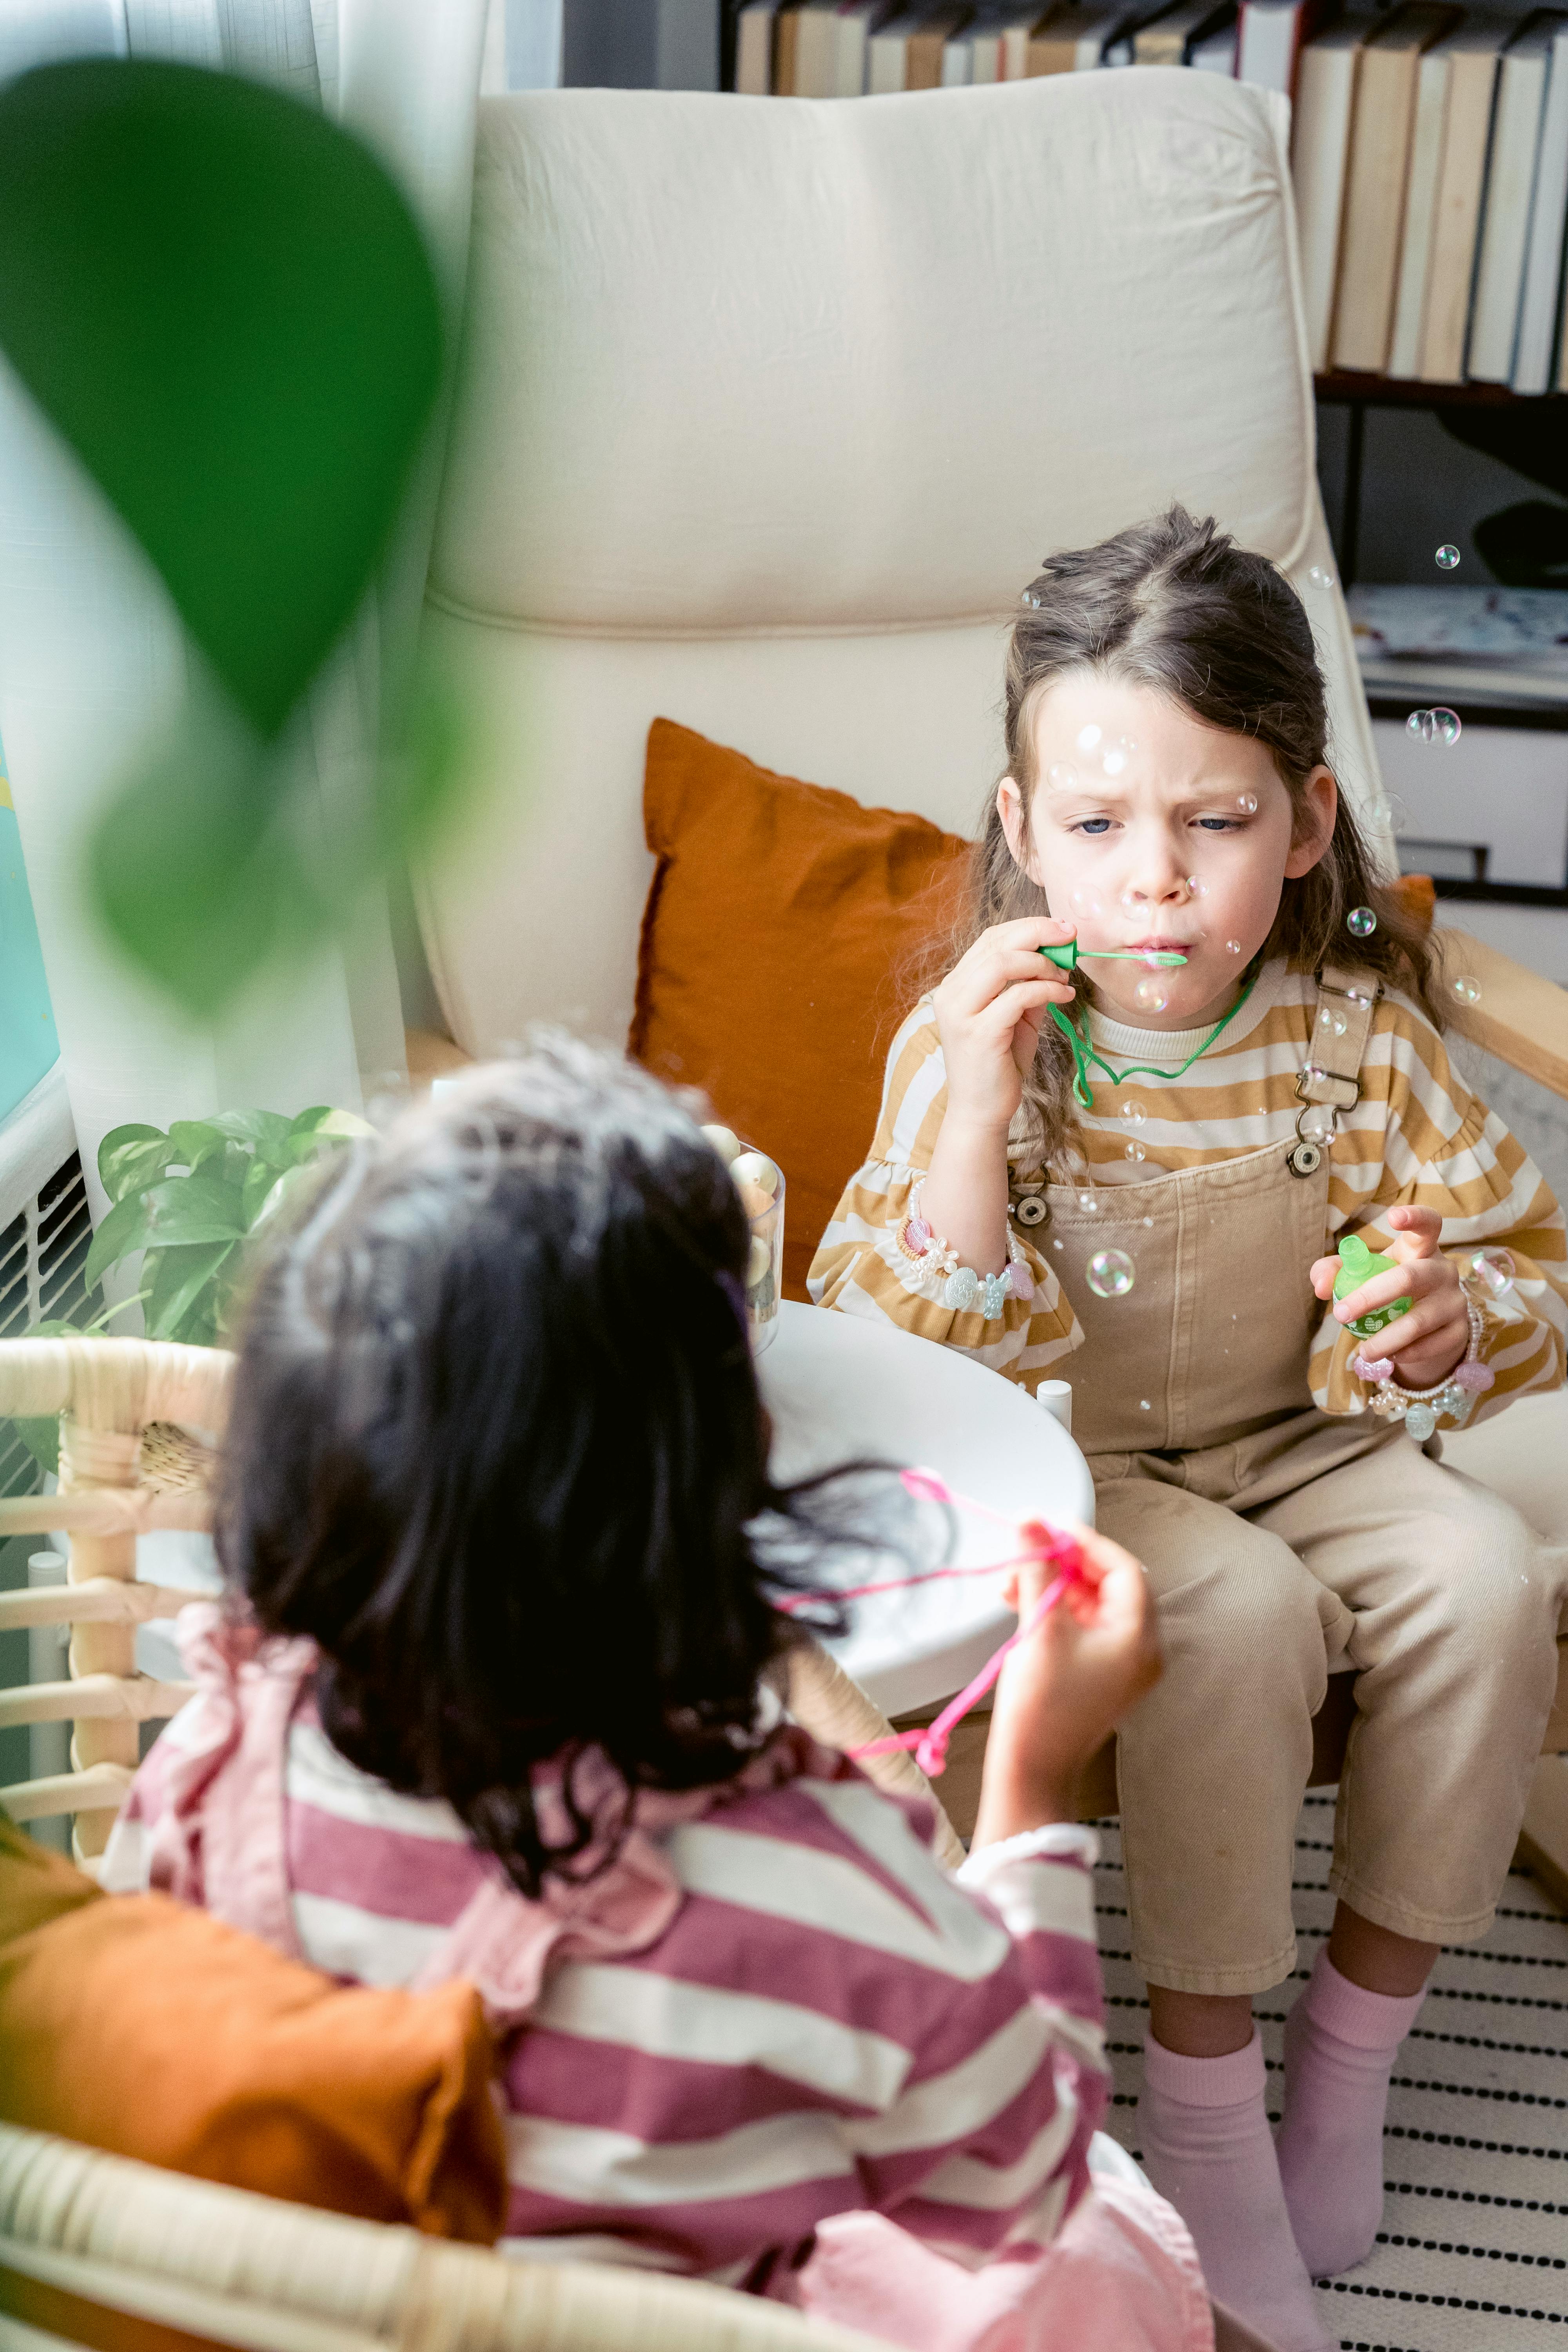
(1088, 1203)
(1114, 758)
(1319, 577)
(1133, 1113)
(1316, 1123)
(1152, 992)
(1197, 886)
(1111, 1273)
(1466, 989)
(1495, 1269)
(1447, 557)
(1232, 947)
(1421, 724)
(1334, 1023)
(1446, 726)
(1063, 777)
(1135, 1150)
(1361, 922)
(1088, 737)
(1248, 803)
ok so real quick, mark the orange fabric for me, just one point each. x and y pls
(1418, 898)
(769, 969)
(37, 2305)
(134, 2024)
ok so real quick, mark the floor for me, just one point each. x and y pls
(1473, 2255)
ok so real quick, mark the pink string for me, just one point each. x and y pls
(929, 1743)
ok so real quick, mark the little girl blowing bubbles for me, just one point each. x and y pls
(1139, 1172)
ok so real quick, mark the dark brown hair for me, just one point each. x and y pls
(1176, 605)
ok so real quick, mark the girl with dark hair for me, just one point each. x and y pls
(490, 1699)
(1138, 1165)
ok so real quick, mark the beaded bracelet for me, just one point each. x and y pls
(963, 1289)
(1418, 1408)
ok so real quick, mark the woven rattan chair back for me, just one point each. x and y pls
(131, 1460)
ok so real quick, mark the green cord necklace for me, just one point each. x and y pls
(1083, 1053)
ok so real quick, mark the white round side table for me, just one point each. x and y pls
(841, 1390)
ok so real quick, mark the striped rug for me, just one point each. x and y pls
(1473, 2254)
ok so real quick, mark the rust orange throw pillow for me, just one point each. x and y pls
(777, 930)
(135, 2024)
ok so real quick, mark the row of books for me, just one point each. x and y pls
(1430, 155)
(846, 48)
(1429, 146)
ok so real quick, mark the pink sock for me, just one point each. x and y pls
(1340, 2047)
(1208, 2150)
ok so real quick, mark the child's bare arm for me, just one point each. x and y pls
(1062, 1692)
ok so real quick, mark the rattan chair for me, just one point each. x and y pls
(128, 1464)
(79, 2229)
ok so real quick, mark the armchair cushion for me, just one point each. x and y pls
(772, 971)
(137, 2025)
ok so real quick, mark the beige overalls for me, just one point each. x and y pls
(1283, 1543)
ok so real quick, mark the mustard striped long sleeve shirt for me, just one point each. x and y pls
(1417, 1136)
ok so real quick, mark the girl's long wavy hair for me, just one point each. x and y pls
(496, 1446)
(1176, 605)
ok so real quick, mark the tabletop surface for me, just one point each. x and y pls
(841, 1388)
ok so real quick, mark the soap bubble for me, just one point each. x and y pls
(1436, 726)
(1061, 776)
(1447, 557)
(1135, 1150)
(1495, 1270)
(1248, 803)
(1143, 1405)
(1319, 577)
(1197, 886)
(1083, 900)
(1110, 1274)
(1361, 922)
(1133, 1113)
(1334, 1023)
(1358, 996)
(1088, 737)
(1088, 1203)
(1232, 947)
(1113, 760)
(1466, 989)
(1317, 1122)
(1152, 992)
(1028, 599)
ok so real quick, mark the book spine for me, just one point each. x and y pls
(1510, 189)
(1541, 279)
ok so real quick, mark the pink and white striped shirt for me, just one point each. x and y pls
(809, 2017)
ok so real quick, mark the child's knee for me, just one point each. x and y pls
(1487, 1575)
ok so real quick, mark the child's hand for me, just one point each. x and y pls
(1428, 1342)
(1062, 1691)
(988, 1014)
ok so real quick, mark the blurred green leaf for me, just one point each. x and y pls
(127, 1227)
(198, 1208)
(266, 1131)
(195, 1140)
(183, 1279)
(132, 1157)
(222, 300)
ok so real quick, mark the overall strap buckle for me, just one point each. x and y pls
(1331, 1077)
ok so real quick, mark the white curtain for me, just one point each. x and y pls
(91, 653)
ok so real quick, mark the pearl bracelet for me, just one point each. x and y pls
(962, 1291)
(1418, 1408)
